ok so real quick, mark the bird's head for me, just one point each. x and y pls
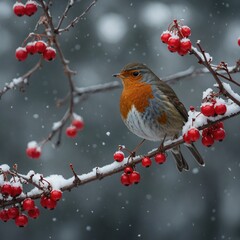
(133, 74)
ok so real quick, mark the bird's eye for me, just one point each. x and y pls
(135, 74)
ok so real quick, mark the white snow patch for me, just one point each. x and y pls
(56, 181)
(32, 144)
(199, 120)
(229, 90)
(208, 57)
(18, 4)
(56, 125)
(207, 93)
(4, 167)
(16, 81)
(30, 173)
(185, 40)
(77, 117)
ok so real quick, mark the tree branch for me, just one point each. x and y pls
(99, 173)
(22, 80)
(76, 20)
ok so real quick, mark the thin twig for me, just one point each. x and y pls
(203, 60)
(22, 79)
(76, 20)
(64, 15)
(57, 129)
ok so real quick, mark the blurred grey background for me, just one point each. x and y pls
(203, 203)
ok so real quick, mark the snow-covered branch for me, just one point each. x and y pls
(44, 185)
(22, 80)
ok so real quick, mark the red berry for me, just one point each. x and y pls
(134, 177)
(19, 9)
(192, 108)
(238, 41)
(21, 220)
(33, 152)
(182, 52)
(219, 125)
(30, 8)
(28, 204)
(125, 180)
(43, 201)
(56, 195)
(34, 213)
(193, 134)
(40, 46)
(128, 169)
(49, 54)
(16, 191)
(174, 42)
(4, 215)
(186, 31)
(165, 36)
(6, 189)
(207, 132)
(160, 158)
(146, 162)
(13, 212)
(207, 141)
(30, 47)
(50, 204)
(78, 123)
(172, 49)
(220, 109)
(71, 131)
(208, 110)
(21, 54)
(219, 134)
(186, 138)
(118, 156)
(185, 44)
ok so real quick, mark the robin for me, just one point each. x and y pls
(151, 109)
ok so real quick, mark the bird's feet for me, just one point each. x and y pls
(161, 147)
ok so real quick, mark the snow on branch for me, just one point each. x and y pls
(42, 186)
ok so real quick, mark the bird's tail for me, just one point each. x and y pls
(191, 147)
(180, 160)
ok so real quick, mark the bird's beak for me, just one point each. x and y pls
(116, 75)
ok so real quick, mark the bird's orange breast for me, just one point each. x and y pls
(136, 94)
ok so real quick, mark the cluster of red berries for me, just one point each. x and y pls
(16, 212)
(40, 47)
(10, 189)
(77, 125)
(176, 38)
(33, 150)
(159, 158)
(130, 176)
(28, 9)
(238, 41)
(216, 132)
(213, 108)
(211, 134)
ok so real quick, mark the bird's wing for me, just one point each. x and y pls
(171, 95)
